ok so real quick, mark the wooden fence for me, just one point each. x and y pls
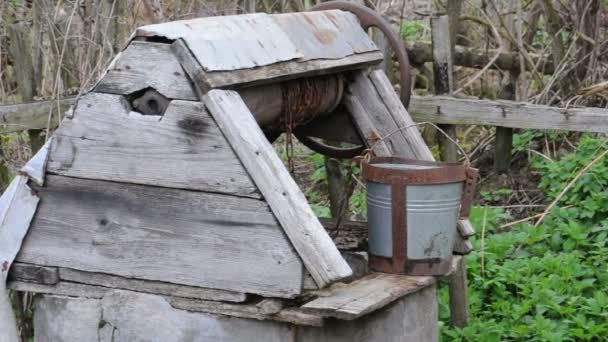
(436, 109)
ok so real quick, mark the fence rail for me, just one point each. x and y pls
(437, 109)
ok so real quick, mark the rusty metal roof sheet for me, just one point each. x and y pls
(325, 34)
(231, 42)
(252, 40)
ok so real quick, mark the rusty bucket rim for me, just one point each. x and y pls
(441, 173)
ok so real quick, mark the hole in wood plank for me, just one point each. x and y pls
(148, 101)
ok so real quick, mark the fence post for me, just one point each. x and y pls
(443, 31)
(442, 75)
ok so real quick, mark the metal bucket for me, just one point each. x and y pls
(413, 209)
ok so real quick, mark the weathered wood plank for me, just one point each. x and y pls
(379, 115)
(319, 254)
(458, 111)
(471, 57)
(400, 115)
(182, 149)
(365, 126)
(61, 288)
(462, 246)
(33, 115)
(151, 233)
(366, 295)
(147, 286)
(147, 65)
(460, 309)
(465, 228)
(442, 76)
(34, 273)
(437, 109)
(205, 81)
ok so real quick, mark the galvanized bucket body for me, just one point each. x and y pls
(432, 213)
(417, 236)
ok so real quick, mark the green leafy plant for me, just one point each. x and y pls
(545, 283)
(411, 30)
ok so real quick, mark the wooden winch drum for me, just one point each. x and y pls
(413, 210)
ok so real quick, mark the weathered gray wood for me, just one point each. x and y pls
(378, 114)
(270, 306)
(462, 246)
(34, 273)
(437, 109)
(366, 295)
(33, 115)
(182, 149)
(147, 286)
(268, 74)
(504, 135)
(151, 233)
(147, 65)
(471, 57)
(459, 298)
(400, 115)
(465, 228)
(289, 205)
(443, 80)
(35, 168)
(365, 126)
(505, 113)
(62, 288)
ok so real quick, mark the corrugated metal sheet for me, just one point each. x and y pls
(230, 42)
(252, 40)
(325, 35)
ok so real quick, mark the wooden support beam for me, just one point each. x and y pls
(289, 205)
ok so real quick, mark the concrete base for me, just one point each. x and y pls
(132, 316)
